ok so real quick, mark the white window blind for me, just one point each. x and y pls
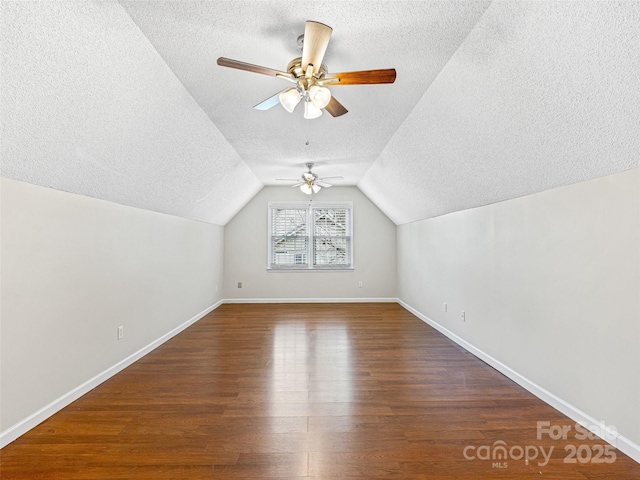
(315, 236)
(289, 236)
(332, 236)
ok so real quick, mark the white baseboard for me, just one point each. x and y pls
(311, 300)
(23, 426)
(622, 443)
(628, 447)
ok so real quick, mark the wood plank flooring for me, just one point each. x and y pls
(323, 391)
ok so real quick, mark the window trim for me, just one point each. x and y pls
(310, 207)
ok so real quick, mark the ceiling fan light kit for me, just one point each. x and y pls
(310, 76)
(309, 189)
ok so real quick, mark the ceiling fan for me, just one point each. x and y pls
(310, 182)
(311, 76)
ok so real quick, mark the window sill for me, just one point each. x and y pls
(298, 270)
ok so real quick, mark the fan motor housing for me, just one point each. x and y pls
(295, 69)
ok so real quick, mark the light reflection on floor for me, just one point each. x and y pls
(310, 365)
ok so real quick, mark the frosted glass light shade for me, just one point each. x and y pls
(306, 189)
(309, 189)
(289, 99)
(320, 96)
(311, 111)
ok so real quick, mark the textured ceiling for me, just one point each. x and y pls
(539, 95)
(415, 38)
(124, 100)
(89, 107)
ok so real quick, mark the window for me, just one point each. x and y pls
(316, 236)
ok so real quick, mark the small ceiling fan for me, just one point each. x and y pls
(311, 76)
(310, 182)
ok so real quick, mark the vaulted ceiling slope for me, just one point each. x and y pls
(539, 95)
(124, 101)
(89, 107)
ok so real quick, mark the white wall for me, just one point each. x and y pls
(246, 244)
(75, 268)
(550, 285)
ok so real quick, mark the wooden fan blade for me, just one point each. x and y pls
(363, 77)
(271, 101)
(249, 67)
(335, 108)
(316, 39)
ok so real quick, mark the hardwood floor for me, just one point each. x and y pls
(331, 391)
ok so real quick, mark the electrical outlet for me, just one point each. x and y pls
(444, 306)
(239, 284)
(464, 316)
(120, 332)
(360, 284)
